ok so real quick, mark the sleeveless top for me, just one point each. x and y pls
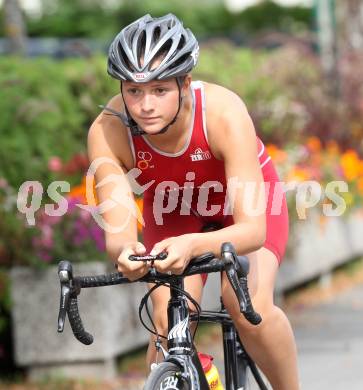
(191, 173)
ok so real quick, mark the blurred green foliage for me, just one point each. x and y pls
(73, 19)
(76, 18)
(46, 108)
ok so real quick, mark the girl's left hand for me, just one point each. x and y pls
(179, 251)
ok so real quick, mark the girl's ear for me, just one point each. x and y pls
(186, 84)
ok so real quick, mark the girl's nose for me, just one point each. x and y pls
(147, 103)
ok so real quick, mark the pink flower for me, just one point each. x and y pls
(47, 236)
(84, 215)
(45, 257)
(3, 183)
(55, 164)
(45, 240)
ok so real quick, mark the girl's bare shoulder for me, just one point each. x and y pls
(108, 136)
(225, 113)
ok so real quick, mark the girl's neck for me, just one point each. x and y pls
(177, 132)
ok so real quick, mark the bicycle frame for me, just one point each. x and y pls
(181, 349)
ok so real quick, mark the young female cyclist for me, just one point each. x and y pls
(190, 140)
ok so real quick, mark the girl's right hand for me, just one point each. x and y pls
(132, 270)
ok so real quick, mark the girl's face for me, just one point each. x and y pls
(152, 105)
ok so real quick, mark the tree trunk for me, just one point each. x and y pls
(14, 27)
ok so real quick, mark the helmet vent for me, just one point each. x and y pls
(181, 60)
(164, 50)
(141, 48)
(124, 56)
(156, 34)
(181, 42)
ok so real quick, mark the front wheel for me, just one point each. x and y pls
(166, 376)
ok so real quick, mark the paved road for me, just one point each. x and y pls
(329, 337)
(330, 342)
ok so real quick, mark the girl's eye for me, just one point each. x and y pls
(160, 90)
(133, 91)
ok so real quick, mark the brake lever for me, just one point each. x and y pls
(232, 276)
(65, 274)
(237, 268)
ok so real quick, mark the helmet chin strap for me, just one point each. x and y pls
(135, 128)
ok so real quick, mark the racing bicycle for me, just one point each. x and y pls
(181, 368)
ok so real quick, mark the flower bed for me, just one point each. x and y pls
(312, 162)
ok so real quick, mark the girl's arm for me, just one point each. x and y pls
(107, 141)
(232, 138)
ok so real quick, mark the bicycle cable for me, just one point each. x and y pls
(144, 302)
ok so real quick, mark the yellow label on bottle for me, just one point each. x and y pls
(213, 379)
